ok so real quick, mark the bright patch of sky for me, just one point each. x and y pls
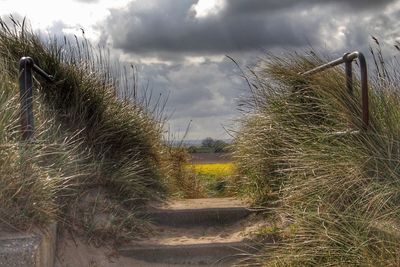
(205, 8)
(42, 14)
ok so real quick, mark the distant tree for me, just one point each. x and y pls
(192, 149)
(212, 145)
(219, 146)
(208, 142)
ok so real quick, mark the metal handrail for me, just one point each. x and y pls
(348, 58)
(26, 66)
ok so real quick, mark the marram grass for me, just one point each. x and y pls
(338, 193)
(87, 138)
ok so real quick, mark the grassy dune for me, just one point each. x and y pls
(88, 140)
(335, 196)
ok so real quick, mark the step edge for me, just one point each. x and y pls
(228, 209)
(244, 242)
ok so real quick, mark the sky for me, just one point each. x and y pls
(180, 47)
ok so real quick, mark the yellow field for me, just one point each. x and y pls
(214, 169)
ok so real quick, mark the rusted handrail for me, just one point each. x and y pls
(26, 65)
(348, 59)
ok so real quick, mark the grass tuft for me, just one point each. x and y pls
(92, 132)
(338, 192)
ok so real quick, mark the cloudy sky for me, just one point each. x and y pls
(180, 46)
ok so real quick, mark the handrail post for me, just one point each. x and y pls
(348, 59)
(26, 98)
(349, 74)
(364, 90)
(26, 67)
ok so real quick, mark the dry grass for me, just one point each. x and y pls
(197, 180)
(182, 181)
(338, 194)
(89, 134)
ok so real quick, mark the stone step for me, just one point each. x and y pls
(36, 249)
(198, 212)
(192, 232)
(210, 254)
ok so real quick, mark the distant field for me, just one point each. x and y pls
(214, 173)
(219, 170)
(204, 158)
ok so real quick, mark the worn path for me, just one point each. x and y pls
(190, 232)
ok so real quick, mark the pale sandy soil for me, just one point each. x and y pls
(201, 235)
(73, 252)
(200, 203)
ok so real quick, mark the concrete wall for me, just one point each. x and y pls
(34, 249)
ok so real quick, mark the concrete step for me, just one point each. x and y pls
(75, 252)
(210, 254)
(191, 232)
(198, 212)
(35, 249)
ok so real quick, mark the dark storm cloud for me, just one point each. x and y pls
(257, 6)
(206, 92)
(170, 26)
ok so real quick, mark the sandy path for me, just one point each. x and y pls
(75, 253)
(201, 235)
(200, 203)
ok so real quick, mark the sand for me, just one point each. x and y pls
(73, 252)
